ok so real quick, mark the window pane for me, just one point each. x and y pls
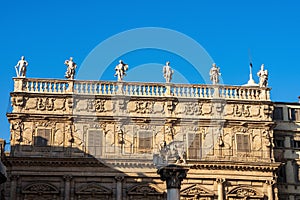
(278, 113)
(42, 137)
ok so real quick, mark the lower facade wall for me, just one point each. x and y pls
(85, 183)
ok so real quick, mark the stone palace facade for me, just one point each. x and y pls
(74, 139)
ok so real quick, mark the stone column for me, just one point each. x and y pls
(13, 186)
(119, 180)
(67, 179)
(270, 184)
(173, 175)
(220, 182)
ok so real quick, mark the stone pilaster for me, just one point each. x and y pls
(119, 180)
(270, 184)
(67, 179)
(173, 175)
(220, 182)
(13, 186)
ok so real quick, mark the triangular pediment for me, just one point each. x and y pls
(196, 190)
(93, 188)
(145, 189)
(40, 188)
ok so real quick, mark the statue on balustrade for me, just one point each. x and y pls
(121, 69)
(263, 76)
(168, 72)
(70, 73)
(215, 74)
(21, 67)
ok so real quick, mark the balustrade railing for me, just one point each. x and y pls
(140, 89)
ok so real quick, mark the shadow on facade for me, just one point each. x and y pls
(54, 172)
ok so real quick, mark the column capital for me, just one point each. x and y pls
(67, 177)
(220, 180)
(14, 177)
(270, 182)
(119, 178)
(173, 175)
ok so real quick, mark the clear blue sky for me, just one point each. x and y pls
(48, 32)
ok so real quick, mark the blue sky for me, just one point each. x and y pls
(49, 32)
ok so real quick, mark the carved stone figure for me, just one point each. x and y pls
(168, 72)
(263, 76)
(21, 67)
(121, 69)
(214, 74)
(70, 73)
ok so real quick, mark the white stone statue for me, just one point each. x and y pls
(121, 69)
(168, 72)
(214, 74)
(21, 67)
(70, 73)
(263, 76)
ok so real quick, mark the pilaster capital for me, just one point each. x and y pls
(119, 178)
(220, 180)
(67, 177)
(270, 182)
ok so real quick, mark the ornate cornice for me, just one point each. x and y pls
(53, 162)
(247, 166)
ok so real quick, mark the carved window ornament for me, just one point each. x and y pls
(145, 190)
(245, 192)
(40, 188)
(196, 191)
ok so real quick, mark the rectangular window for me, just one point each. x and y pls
(279, 142)
(296, 144)
(243, 143)
(282, 175)
(278, 113)
(42, 137)
(145, 141)
(94, 139)
(294, 114)
(194, 146)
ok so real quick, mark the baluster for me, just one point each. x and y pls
(64, 87)
(209, 92)
(196, 92)
(204, 92)
(31, 86)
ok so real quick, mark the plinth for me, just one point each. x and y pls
(173, 175)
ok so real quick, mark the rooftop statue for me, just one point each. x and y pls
(263, 76)
(168, 72)
(70, 73)
(21, 67)
(121, 69)
(214, 74)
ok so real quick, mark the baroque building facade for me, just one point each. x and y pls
(73, 139)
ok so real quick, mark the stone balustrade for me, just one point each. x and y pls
(139, 89)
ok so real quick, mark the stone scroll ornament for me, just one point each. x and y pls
(21, 67)
(70, 73)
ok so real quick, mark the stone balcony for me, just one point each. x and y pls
(138, 89)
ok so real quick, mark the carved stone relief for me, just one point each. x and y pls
(142, 107)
